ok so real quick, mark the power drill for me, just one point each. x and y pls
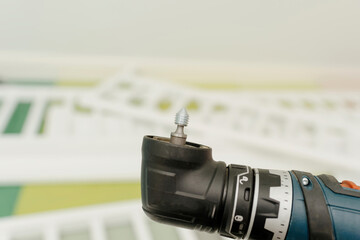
(182, 185)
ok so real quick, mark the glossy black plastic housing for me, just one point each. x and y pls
(181, 184)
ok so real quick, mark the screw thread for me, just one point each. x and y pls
(182, 117)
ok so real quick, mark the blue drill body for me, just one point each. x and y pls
(344, 212)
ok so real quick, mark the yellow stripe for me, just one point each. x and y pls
(39, 198)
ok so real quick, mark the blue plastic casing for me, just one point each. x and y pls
(344, 212)
(298, 228)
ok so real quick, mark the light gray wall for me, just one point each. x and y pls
(291, 31)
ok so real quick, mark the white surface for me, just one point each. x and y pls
(93, 219)
(254, 128)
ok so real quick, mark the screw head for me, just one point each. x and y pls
(305, 181)
(239, 218)
(182, 117)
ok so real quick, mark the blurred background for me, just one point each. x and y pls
(270, 84)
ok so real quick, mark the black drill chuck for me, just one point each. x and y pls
(182, 184)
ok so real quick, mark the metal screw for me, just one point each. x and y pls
(181, 120)
(239, 218)
(305, 181)
(182, 117)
